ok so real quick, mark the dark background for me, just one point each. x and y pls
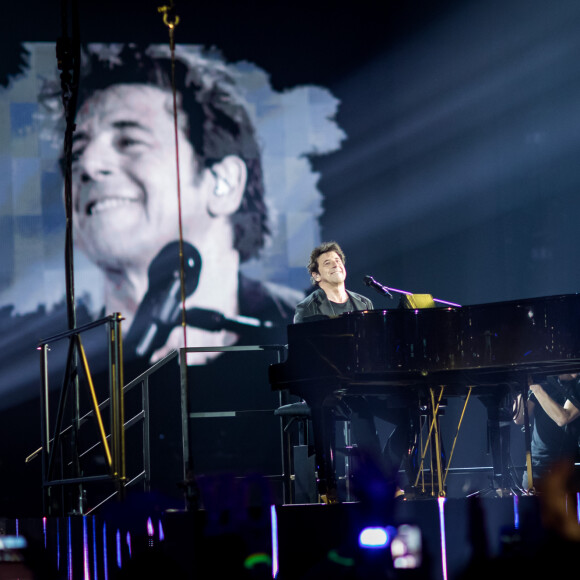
(459, 176)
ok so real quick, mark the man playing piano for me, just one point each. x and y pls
(327, 270)
(555, 408)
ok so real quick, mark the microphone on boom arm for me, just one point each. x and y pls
(383, 290)
(159, 312)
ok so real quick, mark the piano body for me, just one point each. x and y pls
(406, 353)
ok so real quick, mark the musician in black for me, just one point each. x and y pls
(331, 298)
(554, 406)
(327, 271)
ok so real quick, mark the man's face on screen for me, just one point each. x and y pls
(124, 177)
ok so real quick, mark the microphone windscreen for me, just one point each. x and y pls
(166, 267)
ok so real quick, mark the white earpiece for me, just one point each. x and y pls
(222, 187)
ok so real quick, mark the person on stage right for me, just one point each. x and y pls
(554, 406)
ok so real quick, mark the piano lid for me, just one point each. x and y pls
(526, 335)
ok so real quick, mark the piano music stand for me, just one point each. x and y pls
(415, 301)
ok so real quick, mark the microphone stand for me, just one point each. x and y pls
(386, 291)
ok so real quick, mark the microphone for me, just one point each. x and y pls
(159, 311)
(215, 321)
(383, 290)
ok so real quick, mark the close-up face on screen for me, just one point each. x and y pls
(231, 173)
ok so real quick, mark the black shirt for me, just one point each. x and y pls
(549, 441)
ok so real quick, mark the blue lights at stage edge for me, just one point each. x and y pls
(376, 537)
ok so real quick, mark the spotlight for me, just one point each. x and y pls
(376, 537)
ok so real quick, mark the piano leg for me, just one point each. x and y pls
(527, 436)
(499, 420)
(437, 443)
(410, 460)
(499, 442)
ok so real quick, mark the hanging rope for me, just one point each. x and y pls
(171, 20)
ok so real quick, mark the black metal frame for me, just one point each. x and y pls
(191, 491)
(116, 466)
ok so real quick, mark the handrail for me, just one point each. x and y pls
(115, 453)
(105, 403)
(75, 331)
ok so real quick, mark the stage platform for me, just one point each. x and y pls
(291, 541)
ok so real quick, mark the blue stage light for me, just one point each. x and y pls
(376, 537)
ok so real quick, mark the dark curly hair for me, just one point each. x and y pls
(218, 121)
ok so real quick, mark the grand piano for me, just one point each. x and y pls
(406, 353)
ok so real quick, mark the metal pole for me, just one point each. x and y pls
(44, 423)
(117, 403)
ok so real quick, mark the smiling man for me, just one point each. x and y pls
(124, 188)
(331, 298)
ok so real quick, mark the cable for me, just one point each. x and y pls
(171, 20)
